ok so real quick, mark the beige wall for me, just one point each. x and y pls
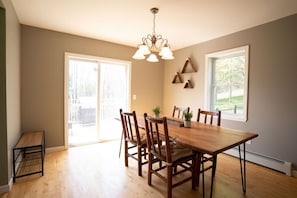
(42, 78)
(272, 85)
(12, 76)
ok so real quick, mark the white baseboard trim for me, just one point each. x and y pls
(6, 188)
(282, 166)
(55, 149)
(10, 184)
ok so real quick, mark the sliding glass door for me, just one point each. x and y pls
(96, 90)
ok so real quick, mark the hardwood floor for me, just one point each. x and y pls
(96, 171)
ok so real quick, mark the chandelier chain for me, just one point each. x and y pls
(154, 24)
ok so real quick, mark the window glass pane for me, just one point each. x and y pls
(228, 89)
(113, 94)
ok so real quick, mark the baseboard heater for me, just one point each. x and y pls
(281, 166)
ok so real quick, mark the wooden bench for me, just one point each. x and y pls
(28, 154)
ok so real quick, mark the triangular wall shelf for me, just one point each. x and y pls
(188, 84)
(193, 69)
(177, 78)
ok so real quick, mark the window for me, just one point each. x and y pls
(227, 82)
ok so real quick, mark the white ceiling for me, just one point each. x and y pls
(182, 22)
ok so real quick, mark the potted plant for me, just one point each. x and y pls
(187, 117)
(156, 111)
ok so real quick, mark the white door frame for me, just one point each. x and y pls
(67, 57)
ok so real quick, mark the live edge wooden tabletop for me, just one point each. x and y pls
(207, 138)
(30, 139)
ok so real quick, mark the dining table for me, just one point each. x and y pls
(209, 139)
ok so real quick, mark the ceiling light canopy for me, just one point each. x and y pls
(153, 45)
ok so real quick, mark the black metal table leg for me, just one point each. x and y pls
(242, 172)
(214, 164)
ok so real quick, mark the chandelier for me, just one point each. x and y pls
(153, 44)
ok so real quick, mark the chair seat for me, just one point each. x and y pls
(142, 140)
(178, 151)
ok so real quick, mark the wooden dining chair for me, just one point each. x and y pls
(135, 142)
(208, 161)
(209, 116)
(163, 149)
(178, 112)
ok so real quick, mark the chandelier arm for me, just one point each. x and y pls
(148, 41)
(160, 43)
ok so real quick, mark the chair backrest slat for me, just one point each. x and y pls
(130, 126)
(178, 112)
(209, 115)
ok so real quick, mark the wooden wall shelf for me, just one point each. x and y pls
(177, 78)
(193, 69)
(188, 84)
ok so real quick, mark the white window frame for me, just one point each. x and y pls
(208, 76)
